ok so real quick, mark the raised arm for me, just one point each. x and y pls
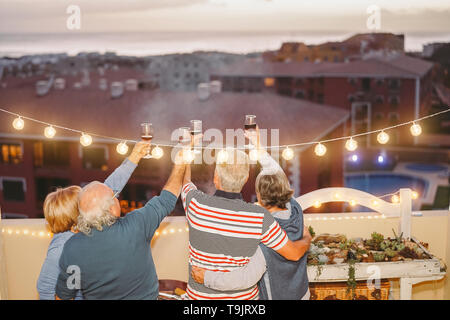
(120, 176)
(239, 279)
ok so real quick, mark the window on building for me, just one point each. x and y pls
(379, 116)
(393, 118)
(51, 153)
(394, 84)
(365, 82)
(320, 98)
(394, 101)
(299, 82)
(352, 81)
(379, 99)
(13, 189)
(380, 82)
(300, 94)
(95, 157)
(46, 185)
(11, 152)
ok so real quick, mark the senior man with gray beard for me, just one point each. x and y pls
(111, 256)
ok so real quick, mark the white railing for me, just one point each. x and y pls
(402, 209)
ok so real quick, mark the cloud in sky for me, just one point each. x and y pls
(157, 15)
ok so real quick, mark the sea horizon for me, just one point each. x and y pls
(147, 43)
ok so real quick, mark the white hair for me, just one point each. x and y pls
(233, 173)
(98, 215)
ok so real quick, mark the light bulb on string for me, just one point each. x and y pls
(320, 149)
(415, 129)
(288, 154)
(188, 155)
(395, 199)
(49, 132)
(122, 148)
(254, 155)
(414, 195)
(222, 156)
(85, 139)
(157, 152)
(351, 144)
(18, 123)
(383, 137)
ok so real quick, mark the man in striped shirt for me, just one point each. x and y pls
(225, 231)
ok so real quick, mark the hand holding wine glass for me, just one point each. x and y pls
(140, 150)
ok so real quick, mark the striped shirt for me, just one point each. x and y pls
(224, 232)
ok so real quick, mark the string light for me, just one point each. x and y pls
(351, 144)
(188, 155)
(122, 148)
(85, 139)
(254, 155)
(352, 203)
(288, 154)
(157, 152)
(49, 132)
(395, 199)
(415, 129)
(383, 137)
(414, 195)
(222, 156)
(18, 123)
(317, 204)
(320, 149)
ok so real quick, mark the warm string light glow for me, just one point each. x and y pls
(18, 123)
(222, 156)
(49, 132)
(351, 144)
(320, 149)
(253, 154)
(288, 154)
(122, 148)
(415, 129)
(27, 232)
(170, 231)
(382, 137)
(395, 199)
(85, 140)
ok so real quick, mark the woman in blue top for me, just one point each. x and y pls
(61, 213)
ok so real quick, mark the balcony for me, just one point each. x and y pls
(23, 247)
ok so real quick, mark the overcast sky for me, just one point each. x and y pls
(225, 15)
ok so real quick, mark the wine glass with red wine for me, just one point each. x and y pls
(250, 126)
(147, 135)
(196, 129)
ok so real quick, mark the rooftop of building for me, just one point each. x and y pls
(94, 111)
(392, 65)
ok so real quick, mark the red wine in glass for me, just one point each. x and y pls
(196, 129)
(250, 126)
(147, 135)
